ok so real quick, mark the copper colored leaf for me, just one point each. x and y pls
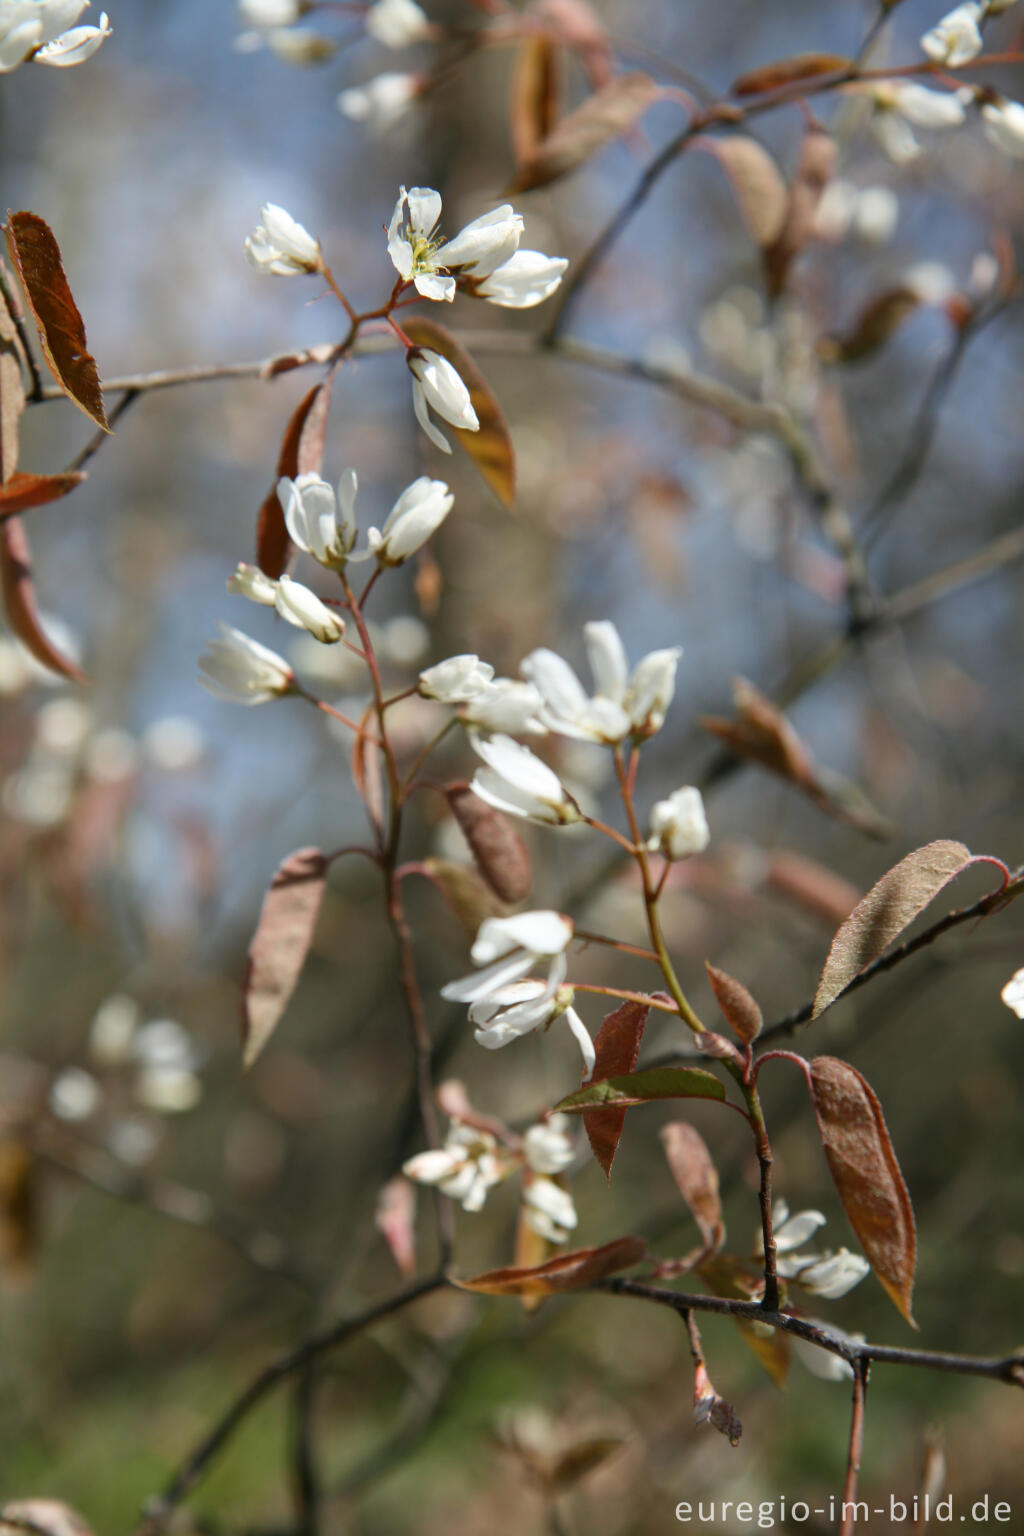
(617, 1048)
(802, 66)
(17, 1210)
(22, 492)
(581, 29)
(301, 452)
(501, 855)
(467, 893)
(762, 732)
(48, 1517)
(645, 1088)
(395, 1220)
(811, 885)
(20, 602)
(491, 448)
(889, 907)
(877, 321)
(814, 170)
(604, 116)
(756, 180)
(694, 1171)
(736, 1003)
(279, 946)
(12, 391)
(866, 1174)
(536, 94)
(37, 260)
(569, 1272)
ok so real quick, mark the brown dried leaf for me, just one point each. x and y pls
(48, 1517)
(21, 492)
(501, 855)
(763, 734)
(279, 946)
(695, 1174)
(756, 180)
(872, 328)
(802, 66)
(491, 448)
(617, 1049)
(569, 1272)
(889, 907)
(866, 1174)
(301, 452)
(537, 81)
(395, 1220)
(604, 116)
(18, 1212)
(814, 170)
(736, 1003)
(20, 602)
(37, 261)
(12, 391)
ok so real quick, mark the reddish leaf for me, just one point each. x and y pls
(569, 1272)
(709, 1408)
(395, 1220)
(47, 1517)
(866, 1174)
(877, 321)
(467, 893)
(491, 448)
(645, 1088)
(617, 1048)
(802, 66)
(18, 1210)
(21, 492)
(694, 1172)
(500, 853)
(12, 390)
(37, 260)
(582, 30)
(20, 602)
(756, 181)
(812, 885)
(736, 1003)
(279, 946)
(301, 452)
(536, 94)
(889, 907)
(605, 115)
(815, 169)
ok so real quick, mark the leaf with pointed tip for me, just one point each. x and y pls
(602, 117)
(19, 597)
(569, 1272)
(301, 452)
(710, 1408)
(37, 261)
(866, 1174)
(21, 492)
(880, 318)
(616, 1048)
(279, 946)
(644, 1088)
(695, 1174)
(491, 447)
(881, 916)
(537, 80)
(736, 1003)
(756, 180)
(802, 66)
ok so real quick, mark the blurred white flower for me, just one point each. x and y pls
(269, 13)
(165, 1043)
(249, 581)
(415, 516)
(112, 1032)
(956, 39)
(301, 45)
(241, 671)
(931, 281)
(821, 1362)
(112, 755)
(323, 526)
(517, 782)
(508, 706)
(1003, 123)
(43, 30)
(679, 825)
(548, 1145)
(381, 102)
(63, 726)
(74, 46)
(405, 640)
(526, 279)
(549, 1209)
(898, 104)
(455, 680)
(1013, 993)
(173, 743)
(624, 704)
(877, 214)
(280, 245)
(168, 1090)
(397, 23)
(465, 1168)
(436, 386)
(74, 1094)
(829, 1275)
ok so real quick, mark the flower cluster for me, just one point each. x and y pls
(45, 32)
(323, 524)
(830, 1274)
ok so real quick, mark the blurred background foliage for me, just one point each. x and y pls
(168, 1233)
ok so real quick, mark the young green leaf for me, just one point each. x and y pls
(644, 1088)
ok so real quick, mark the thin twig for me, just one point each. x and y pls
(861, 1371)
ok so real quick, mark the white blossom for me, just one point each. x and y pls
(829, 1275)
(304, 609)
(624, 704)
(74, 1094)
(526, 279)
(397, 23)
(465, 1168)
(1003, 123)
(877, 214)
(422, 258)
(269, 13)
(319, 523)
(517, 782)
(455, 680)
(249, 581)
(791, 1232)
(486, 243)
(548, 1145)
(898, 104)
(415, 516)
(280, 245)
(436, 386)
(822, 1362)
(300, 45)
(506, 706)
(381, 101)
(679, 825)
(956, 39)
(242, 671)
(74, 46)
(44, 31)
(1013, 993)
(549, 1209)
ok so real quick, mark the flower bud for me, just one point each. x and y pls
(679, 826)
(280, 245)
